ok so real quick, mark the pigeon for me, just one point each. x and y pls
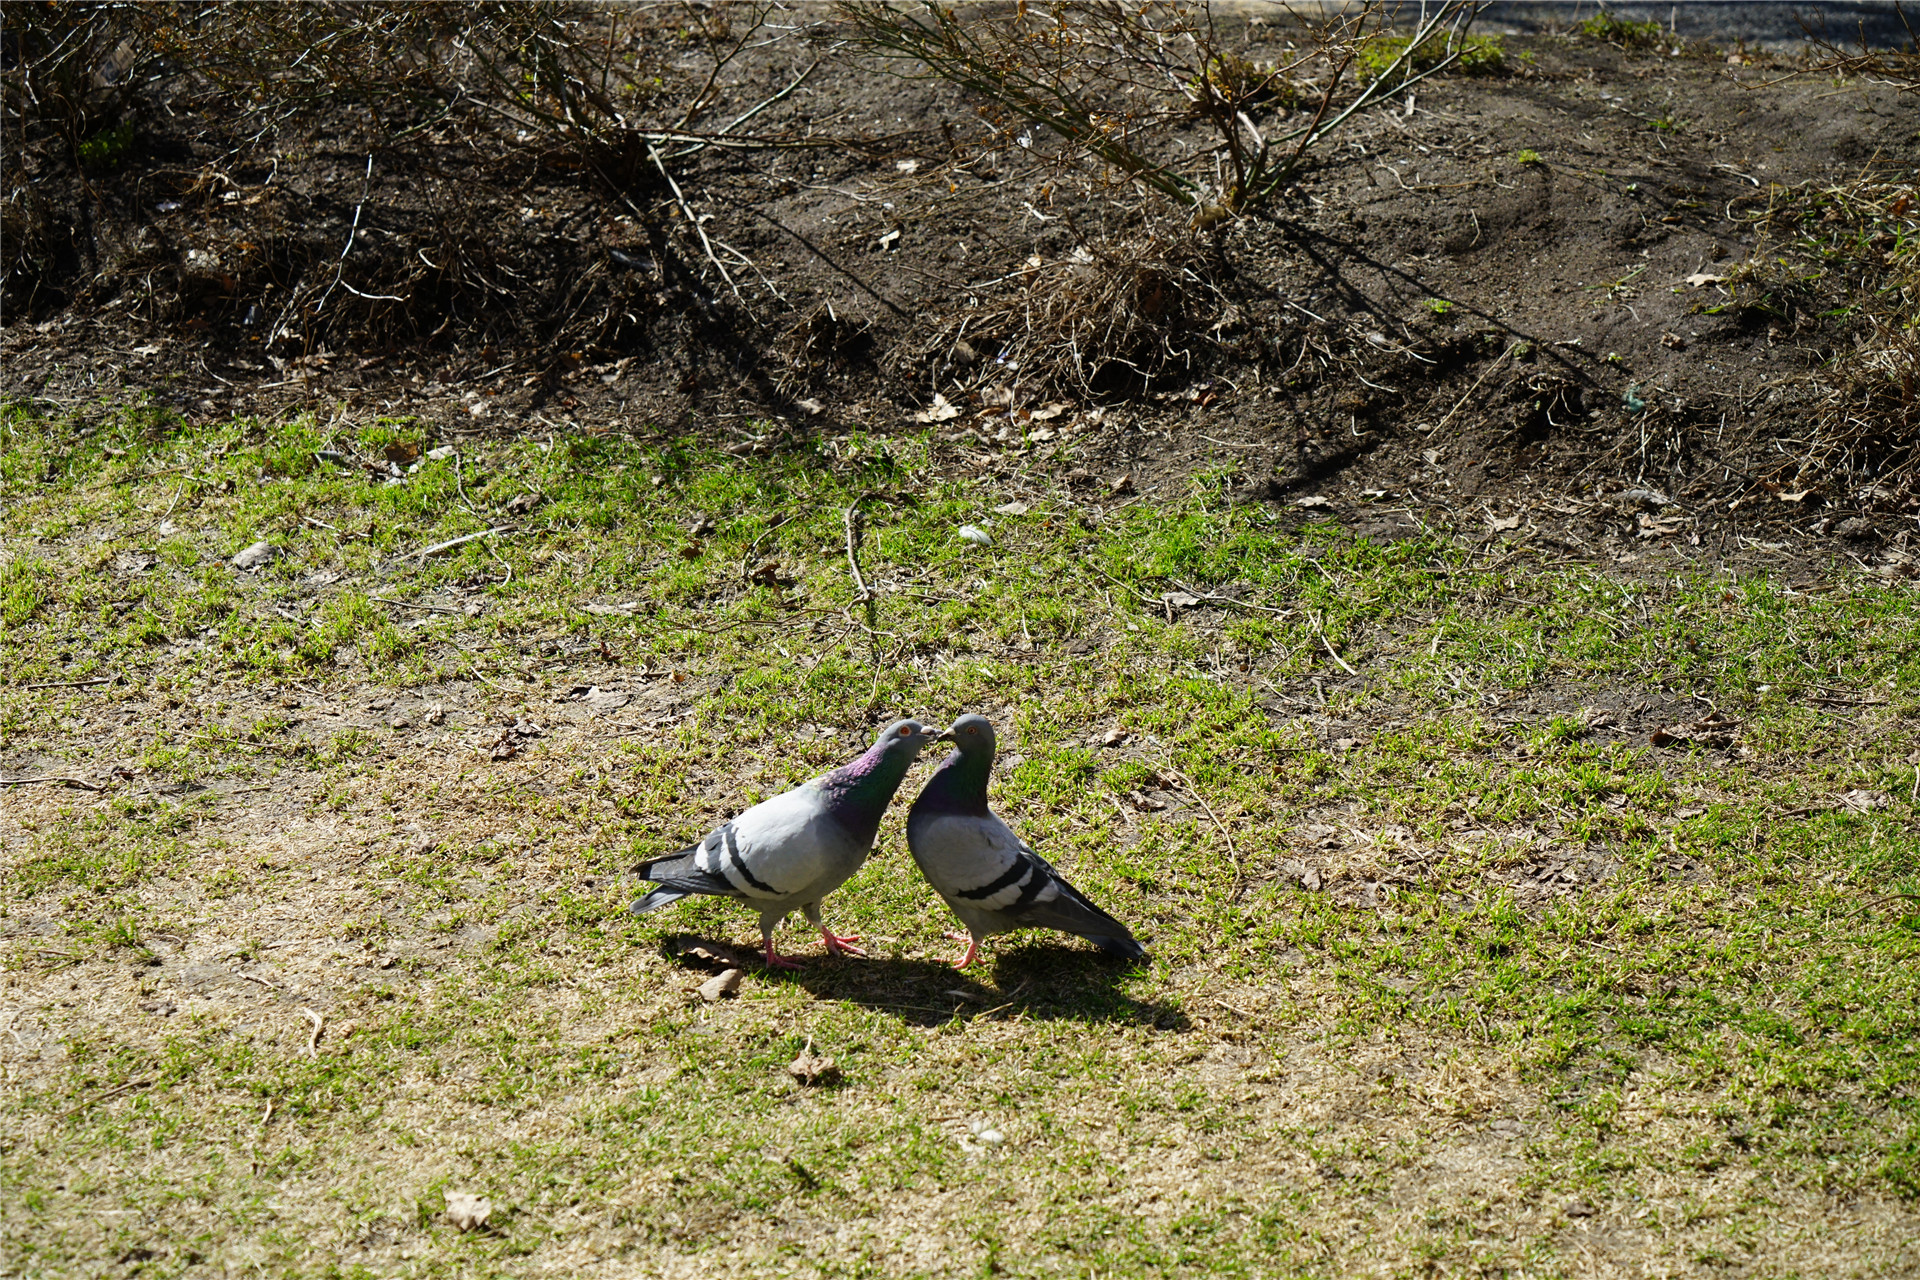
(795, 849)
(990, 877)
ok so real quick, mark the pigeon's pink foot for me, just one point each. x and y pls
(777, 961)
(841, 945)
(958, 935)
(973, 952)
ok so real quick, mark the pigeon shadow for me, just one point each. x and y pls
(1055, 982)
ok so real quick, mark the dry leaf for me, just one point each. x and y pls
(939, 411)
(684, 947)
(1312, 500)
(1179, 599)
(1048, 412)
(811, 1068)
(1012, 509)
(467, 1211)
(1702, 278)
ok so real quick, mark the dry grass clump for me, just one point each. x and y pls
(1848, 255)
(1113, 317)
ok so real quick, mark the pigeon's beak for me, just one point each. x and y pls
(945, 735)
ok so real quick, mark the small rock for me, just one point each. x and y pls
(254, 556)
(435, 714)
(467, 1211)
(720, 985)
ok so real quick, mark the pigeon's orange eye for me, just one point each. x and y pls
(905, 730)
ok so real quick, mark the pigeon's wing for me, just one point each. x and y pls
(1061, 906)
(979, 866)
(781, 850)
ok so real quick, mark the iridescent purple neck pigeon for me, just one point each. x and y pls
(795, 849)
(987, 874)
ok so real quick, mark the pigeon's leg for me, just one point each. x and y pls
(777, 961)
(837, 944)
(973, 951)
(774, 959)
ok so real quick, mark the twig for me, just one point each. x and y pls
(862, 592)
(313, 1040)
(407, 604)
(451, 543)
(1208, 597)
(750, 113)
(1321, 636)
(748, 558)
(254, 977)
(72, 782)
(1233, 850)
(108, 1096)
(340, 266)
(1884, 899)
(71, 684)
(1475, 387)
(699, 230)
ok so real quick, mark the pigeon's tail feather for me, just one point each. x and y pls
(658, 898)
(679, 876)
(1123, 946)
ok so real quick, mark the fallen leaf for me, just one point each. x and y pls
(1700, 279)
(1502, 524)
(1312, 500)
(1011, 509)
(941, 410)
(720, 985)
(1113, 737)
(1179, 599)
(1122, 483)
(467, 1211)
(906, 166)
(810, 407)
(690, 948)
(612, 610)
(1048, 412)
(811, 1068)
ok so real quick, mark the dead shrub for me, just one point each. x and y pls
(1111, 318)
(1102, 87)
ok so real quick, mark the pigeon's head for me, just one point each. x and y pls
(972, 734)
(904, 739)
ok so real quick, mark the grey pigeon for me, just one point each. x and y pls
(795, 849)
(993, 881)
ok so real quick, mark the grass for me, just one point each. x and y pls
(1474, 963)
